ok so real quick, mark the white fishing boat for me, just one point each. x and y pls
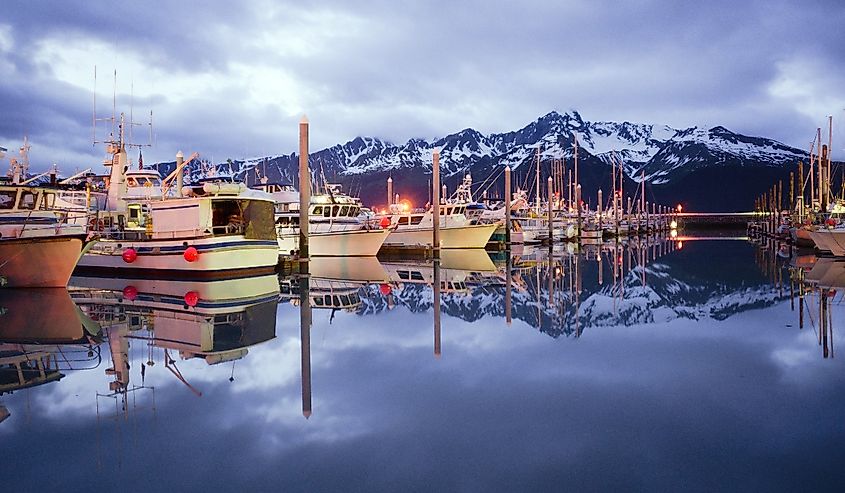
(215, 230)
(212, 229)
(415, 229)
(38, 248)
(337, 225)
(829, 239)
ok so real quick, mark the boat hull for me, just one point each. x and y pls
(219, 257)
(801, 237)
(38, 262)
(470, 236)
(357, 243)
(829, 241)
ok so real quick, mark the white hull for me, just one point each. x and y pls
(470, 236)
(832, 241)
(219, 256)
(357, 243)
(38, 263)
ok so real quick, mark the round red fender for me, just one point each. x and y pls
(129, 255)
(130, 293)
(384, 289)
(192, 298)
(191, 254)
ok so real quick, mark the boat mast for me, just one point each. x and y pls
(537, 180)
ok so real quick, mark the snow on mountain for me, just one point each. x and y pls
(662, 153)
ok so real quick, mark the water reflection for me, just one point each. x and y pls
(680, 353)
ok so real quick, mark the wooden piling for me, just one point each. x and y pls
(304, 191)
(435, 184)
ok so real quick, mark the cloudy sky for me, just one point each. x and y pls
(231, 79)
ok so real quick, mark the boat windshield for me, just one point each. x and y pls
(7, 199)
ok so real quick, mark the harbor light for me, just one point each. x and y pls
(680, 208)
(680, 245)
(673, 233)
(673, 224)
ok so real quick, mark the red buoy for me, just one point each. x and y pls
(383, 288)
(130, 293)
(385, 221)
(129, 255)
(192, 298)
(191, 254)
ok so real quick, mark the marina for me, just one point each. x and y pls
(434, 247)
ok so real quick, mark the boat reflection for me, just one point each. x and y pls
(821, 284)
(42, 335)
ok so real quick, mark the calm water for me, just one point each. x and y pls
(676, 367)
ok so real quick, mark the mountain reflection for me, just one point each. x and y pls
(698, 356)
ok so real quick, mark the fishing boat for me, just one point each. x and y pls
(210, 229)
(38, 248)
(338, 224)
(415, 228)
(215, 230)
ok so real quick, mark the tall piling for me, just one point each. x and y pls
(304, 190)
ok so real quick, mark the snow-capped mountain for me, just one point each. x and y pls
(663, 155)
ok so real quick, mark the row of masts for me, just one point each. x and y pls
(772, 207)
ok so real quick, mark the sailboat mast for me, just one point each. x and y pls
(537, 180)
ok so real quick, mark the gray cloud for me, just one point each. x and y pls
(426, 69)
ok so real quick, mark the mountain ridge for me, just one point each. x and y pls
(661, 155)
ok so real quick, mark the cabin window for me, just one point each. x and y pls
(227, 217)
(328, 299)
(327, 211)
(353, 211)
(318, 209)
(344, 211)
(416, 276)
(49, 201)
(416, 219)
(334, 210)
(318, 301)
(336, 300)
(344, 299)
(403, 274)
(27, 201)
(7, 199)
(130, 182)
(459, 210)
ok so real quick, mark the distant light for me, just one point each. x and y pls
(673, 224)
(680, 208)
(673, 233)
(680, 245)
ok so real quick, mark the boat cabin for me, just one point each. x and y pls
(17, 198)
(143, 184)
